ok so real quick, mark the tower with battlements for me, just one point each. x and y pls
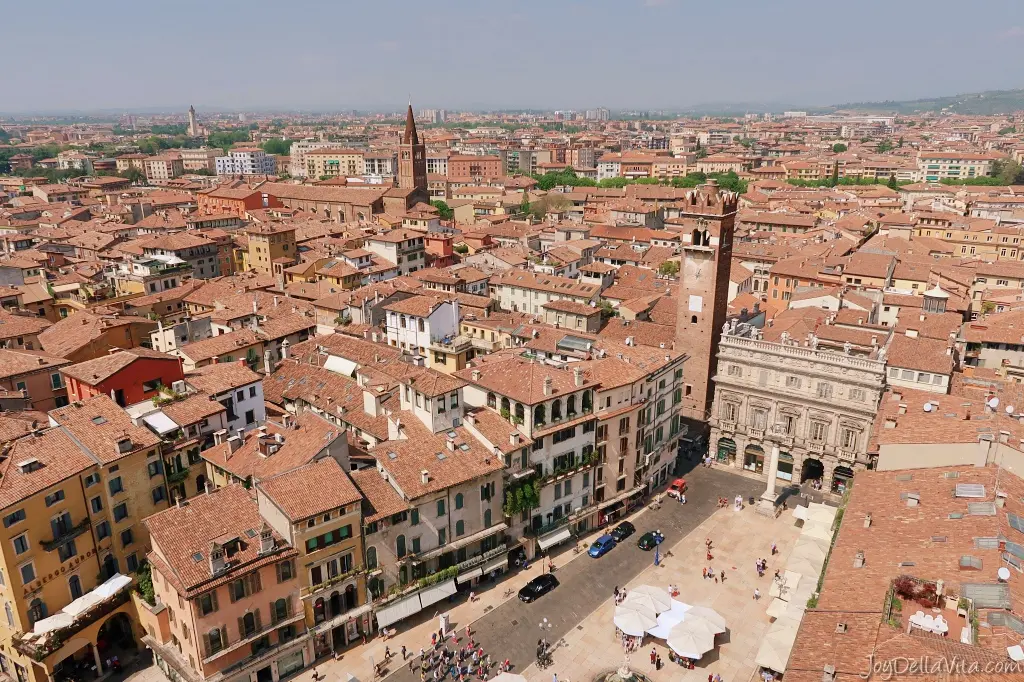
(193, 125)
(709, 213)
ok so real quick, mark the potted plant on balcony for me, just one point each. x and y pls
(963, 606)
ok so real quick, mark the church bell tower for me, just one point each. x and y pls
(412, 160)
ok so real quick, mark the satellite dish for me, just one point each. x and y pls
(994, 403)
(1003, 573)
(927, 407)
(1009, 409)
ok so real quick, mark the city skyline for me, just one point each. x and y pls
(463, 57)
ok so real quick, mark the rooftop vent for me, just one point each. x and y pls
(840, 628)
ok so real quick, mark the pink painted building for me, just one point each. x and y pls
(227, 606)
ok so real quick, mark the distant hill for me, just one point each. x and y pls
(977, 103)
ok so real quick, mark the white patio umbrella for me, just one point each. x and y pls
(508, 677)
(804, 566)
(647, 602)
(634, 621)
(658, 595)
(689, 641)
(709, 615)
(811, 548)
(777, 645)
(817, 530)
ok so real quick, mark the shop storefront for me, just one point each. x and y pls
(785, 471)
(726, 452)
(841, 479)
(753, 459)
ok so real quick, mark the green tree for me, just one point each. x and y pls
(1007, 130)
(443, 209)
(839, 147)
(552, 202)
(136, 176)
(669, 268)
(892, 184)
(1008, 172)
(280, 147)
(884, 146)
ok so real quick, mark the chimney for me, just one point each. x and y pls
(234, 443)
(867, 520)
(476, 375)
(278, 438)
(208, 487)
(903, 408)
(219, 436)
(577, 376)
(284, 349)
(450, 444)
(286, 420)
(217, 564)
(266, 539)
(240, 433)
(275, 301)
(268, 362)
(513, 438)
(547, 386)
(424, 477)
(255, 306)
(366, 334)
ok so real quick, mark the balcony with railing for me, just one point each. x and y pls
(65, 534)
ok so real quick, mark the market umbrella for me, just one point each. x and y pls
(815, 529)
(646, 601)
(777, 645)
(669, 619)
(689, 641)
(658, 595)
(634, 621)
(708, 615)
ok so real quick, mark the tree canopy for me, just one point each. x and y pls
(280, 147)
(669, 267)
(226, 138)
(443, 209)
(839, 147)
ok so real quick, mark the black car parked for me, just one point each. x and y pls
(623, 531)
(538, 587)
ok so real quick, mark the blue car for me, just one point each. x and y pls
(601, 546)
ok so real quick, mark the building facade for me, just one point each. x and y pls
(823, 403)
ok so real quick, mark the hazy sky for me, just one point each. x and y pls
(481, 54)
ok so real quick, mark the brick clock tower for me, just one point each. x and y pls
(710, 215)
(412, 161)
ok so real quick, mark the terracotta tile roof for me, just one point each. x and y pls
(224, 514)
(643, 333)
(311, 489)
(574, 307)
(522, 380)
(84, 327)
(924, 355)
(419, 306)
(192, 409)
(498, 431)
(99, 425)
(60, 459)
(303, 441)
(237, 341)
(380, 499)
(17, 362)
(12, 325)
(446, 467)
(221, 377)
(98, 370)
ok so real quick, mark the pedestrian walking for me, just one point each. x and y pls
(554, 677)
(654, 656)
(705, 573)
(707, 543)
(757, 594)
(774, 549)
(403, 652)
(723, 576)
(657, 665)
(433, 639)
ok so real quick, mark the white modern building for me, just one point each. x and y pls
(420, 322)
(246, 161)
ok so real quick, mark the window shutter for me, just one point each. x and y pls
(213, 600)
(207, 646)
(241, 628)
(289, 606)
(224, 637)
(278, 567)
(259, 624)
(256, 582)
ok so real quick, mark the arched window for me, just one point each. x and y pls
(556, 410)
(460, 528)
(376, 587)
(505, 405)
(248, 624)
(520, 412)
(487, 518)
(371, 558)
(216, 642)
(695, 238)
(693, 319)
(319, 615)
(36, 610)
(587, 401)
(400, 546)
(570, 406)
(492, 402)
(401, 321)
(280, 610)
(539, 416)
(75, 583)
(459, 500)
